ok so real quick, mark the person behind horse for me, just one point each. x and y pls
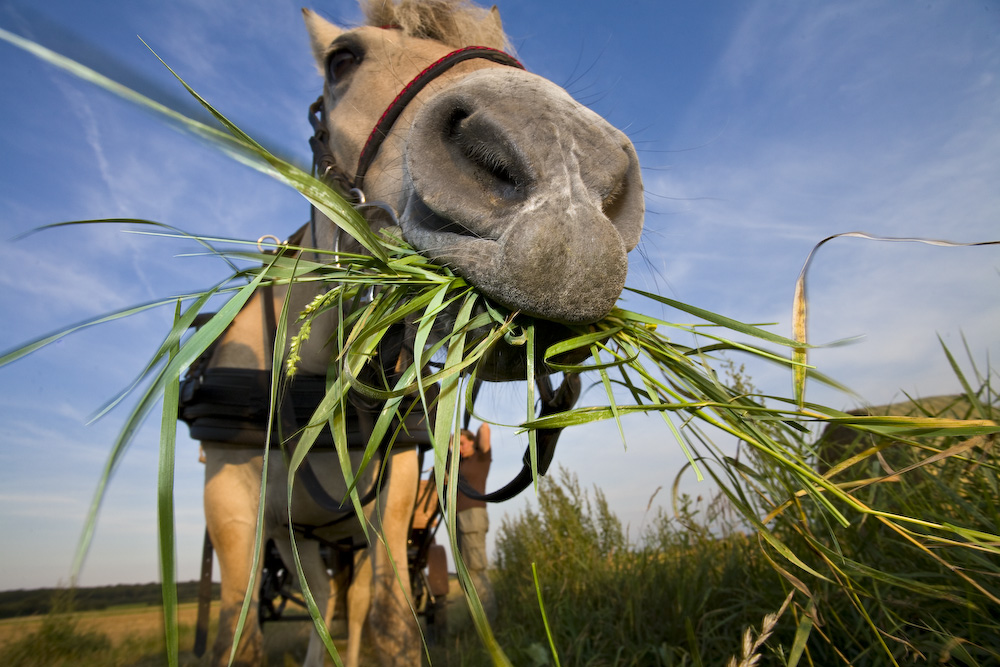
(472, 519)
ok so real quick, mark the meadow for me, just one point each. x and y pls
(126, 636)
(701, 586)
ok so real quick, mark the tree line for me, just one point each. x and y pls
(43, 600)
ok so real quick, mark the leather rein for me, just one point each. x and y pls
(325, 167)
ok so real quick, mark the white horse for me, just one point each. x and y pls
(495, 172)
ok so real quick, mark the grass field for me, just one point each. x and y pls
(697, 587)
(126, 636)
(131, 636)
(118, 624)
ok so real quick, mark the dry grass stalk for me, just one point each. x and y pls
(751, 649)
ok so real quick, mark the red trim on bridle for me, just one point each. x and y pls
(406, 95)
(393, 111)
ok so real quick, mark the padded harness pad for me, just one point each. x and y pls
(231, 405)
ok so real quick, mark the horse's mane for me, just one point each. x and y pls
(456, 23)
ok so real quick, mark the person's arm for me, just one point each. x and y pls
(483, 438)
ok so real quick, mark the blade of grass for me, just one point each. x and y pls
(165, 508)
(193, 348)
(545, 618)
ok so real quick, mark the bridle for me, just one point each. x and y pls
(325, 168)
(324, 164)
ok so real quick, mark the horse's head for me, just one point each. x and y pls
(496, 172)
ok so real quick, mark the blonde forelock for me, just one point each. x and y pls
(457, 23)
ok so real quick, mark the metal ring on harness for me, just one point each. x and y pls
(265, 237)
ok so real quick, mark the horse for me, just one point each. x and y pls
(488, 169)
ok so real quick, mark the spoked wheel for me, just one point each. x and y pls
(275, 588)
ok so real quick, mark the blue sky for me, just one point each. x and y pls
(763, 127)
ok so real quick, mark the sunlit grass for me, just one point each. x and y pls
(686, 588)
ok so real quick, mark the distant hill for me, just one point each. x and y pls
(41, 600)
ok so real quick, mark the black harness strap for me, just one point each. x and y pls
(562, 399)
(410, 91)
(204, 598)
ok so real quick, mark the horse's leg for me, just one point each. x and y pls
(397, 636)
(359, 601)
(232, 490)
(319, 585)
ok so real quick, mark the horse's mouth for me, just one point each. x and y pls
(453, 244)
(544, 230)
(419, 216)
(506, 362)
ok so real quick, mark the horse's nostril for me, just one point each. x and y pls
(482, 149)
(624, 205)
(619, 205)
(611, 202)
(453, 127)
(499, 173)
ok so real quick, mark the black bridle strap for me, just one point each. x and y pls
(552, 402)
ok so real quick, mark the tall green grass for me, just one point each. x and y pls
(698, 586)
(932, 595)
(682, 592)
(57, 643)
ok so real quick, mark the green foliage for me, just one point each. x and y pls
(57, 642)
(878, 591)
(682, 595)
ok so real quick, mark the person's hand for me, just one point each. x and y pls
(483, 438)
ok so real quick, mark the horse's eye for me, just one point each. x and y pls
(340, 64)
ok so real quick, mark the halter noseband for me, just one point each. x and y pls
(323, 160)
